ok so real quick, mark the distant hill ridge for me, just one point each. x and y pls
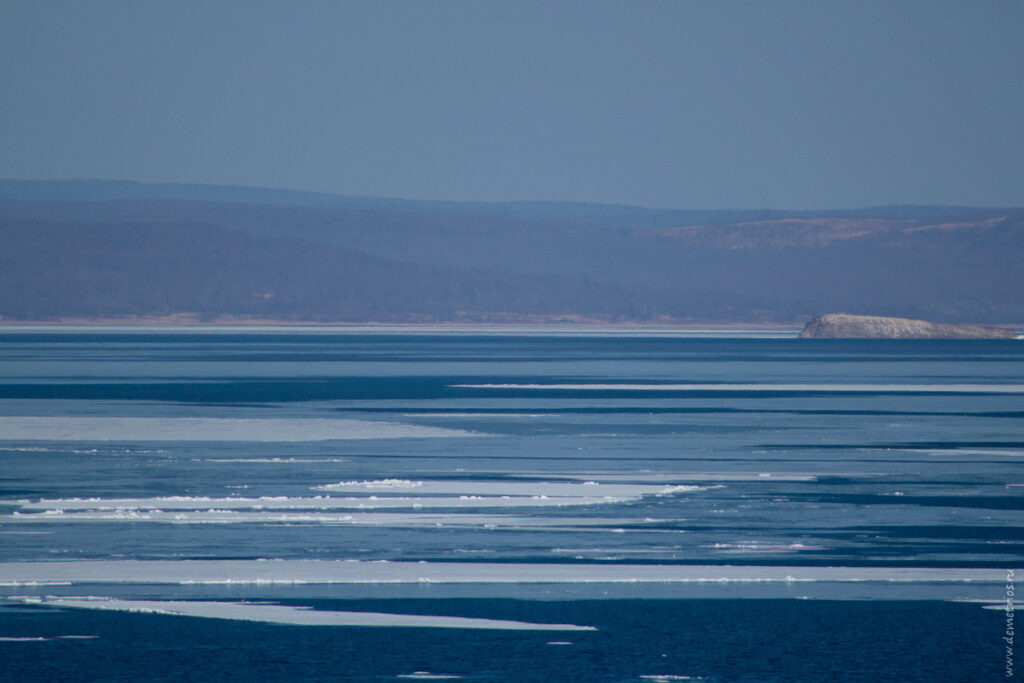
(608, 215)
(90, 249)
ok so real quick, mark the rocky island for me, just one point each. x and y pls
(844, 326)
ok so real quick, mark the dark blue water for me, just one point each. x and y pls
(710, 640)
(848, 461)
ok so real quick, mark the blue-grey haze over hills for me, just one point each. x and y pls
(521, 140)
(97, 249)
(791, 104)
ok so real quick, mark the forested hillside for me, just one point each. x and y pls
(96, 249)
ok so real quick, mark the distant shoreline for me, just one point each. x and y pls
(185, 321)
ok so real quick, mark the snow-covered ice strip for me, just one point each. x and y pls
(669, 478)
(738, 548)
(315, 503)
(23, 639)
(272, 461)
(41, 639)
(11, 584)
(80, 451)
(1007, 452)
(844, 388)
(588, 489)
(1001, 605)
(486, 416)
(210, 429)
(288, 614)
(383, 519)
(360, 571)
(619, 551)
(760, 547)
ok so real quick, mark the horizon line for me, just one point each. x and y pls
(572, 202)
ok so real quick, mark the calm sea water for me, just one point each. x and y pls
(618, 506)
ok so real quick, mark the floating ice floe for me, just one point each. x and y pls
(272, 461)
(295, 615)
(210, 429)
(372, 495)
(41, 639)
(1003, 605)
(513, 488)
(203, 503)
(1004, 452)
(668, 478)
(366, 572)
(375, 484)
(383, 519)
(761, 547)
(836, 388)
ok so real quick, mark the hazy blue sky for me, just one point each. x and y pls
(690, 104)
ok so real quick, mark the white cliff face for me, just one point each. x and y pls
(844, 326)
